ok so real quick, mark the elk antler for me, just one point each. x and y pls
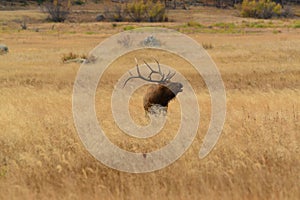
(164, 78)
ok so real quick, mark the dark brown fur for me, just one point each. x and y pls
(161, 94)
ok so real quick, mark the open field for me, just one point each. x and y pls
(257, 156)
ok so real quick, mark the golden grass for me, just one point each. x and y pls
(257, 156)
(20, 14)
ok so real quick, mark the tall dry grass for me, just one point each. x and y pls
(257, 156)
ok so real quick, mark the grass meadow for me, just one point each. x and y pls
(257, 156)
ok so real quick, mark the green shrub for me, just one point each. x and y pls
(156, 12)
(40, 2)
(78, 2)
(137, 11)
(262, 9)
(149, 11)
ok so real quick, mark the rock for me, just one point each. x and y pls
(100, 18)
(3, 49)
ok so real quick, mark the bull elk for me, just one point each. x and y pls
(161, 93)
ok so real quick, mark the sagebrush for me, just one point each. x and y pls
(262, 9)
(137, 11)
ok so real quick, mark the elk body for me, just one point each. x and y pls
(161, 92)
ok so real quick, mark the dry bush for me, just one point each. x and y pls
(58, 10)
(116, 13)
(287, 12)
(207, 45)
(72, 56)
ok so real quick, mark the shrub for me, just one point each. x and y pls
(117, 13)
(72, 57)
(78, 2)
(137, 11)
(58, 10)
(3, 49)
(23, 25)
(156, 12)
(207, 45)
(40, 2)
(146, 11)
(263, 9)
(151, 41)
(287, 12)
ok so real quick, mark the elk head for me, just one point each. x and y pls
(160, 93)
